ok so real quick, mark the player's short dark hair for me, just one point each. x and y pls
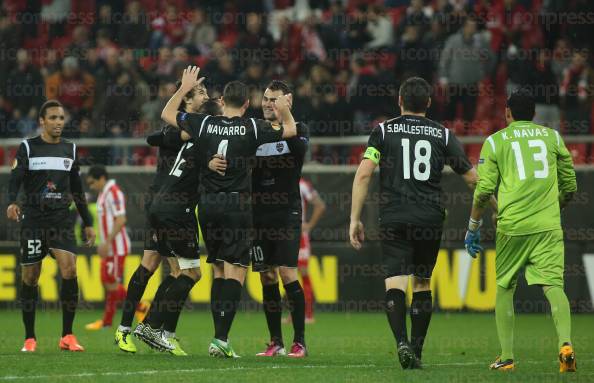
(279, 85)
(235, 94)
(211, 107)
(97, 171)
(415, 93)
(521, 105)
(48, 104)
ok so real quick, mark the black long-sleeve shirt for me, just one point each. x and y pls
(50, 174)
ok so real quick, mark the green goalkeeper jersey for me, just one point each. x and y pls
(532, 167)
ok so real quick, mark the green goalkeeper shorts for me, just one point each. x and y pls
(542, 254)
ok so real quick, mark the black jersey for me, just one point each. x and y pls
(275, 180)
(412, 152)
(169, 142)
(178, 189)
(51, 178)
(236, 138)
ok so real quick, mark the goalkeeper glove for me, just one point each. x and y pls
(473, 237)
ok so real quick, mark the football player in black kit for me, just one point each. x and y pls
(225, 212)
(48, 168)
(169, 142)
(277, 222)
(411, 151)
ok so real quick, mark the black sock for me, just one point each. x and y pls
(215, 299)
(396, 311)
(158, 299)
(178, 292)
(297, 308)
(69, 300)
(29, 297)
(273, 310)
(420, 316)
(230, 296)
(136, 288)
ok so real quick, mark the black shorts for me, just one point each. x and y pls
(42, 233)
(410, 249)
(176, 235)
(227, 227)
(277, 235)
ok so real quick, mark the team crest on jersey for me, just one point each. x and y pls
(66, 163)
(280, 146)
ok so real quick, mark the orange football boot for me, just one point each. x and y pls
(70, 343)
(567, 361)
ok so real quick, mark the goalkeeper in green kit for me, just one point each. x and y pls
(536, 179)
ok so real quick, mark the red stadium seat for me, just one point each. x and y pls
(201, 61)
(579, 152)
(473, 151)
(396, 14)
(61, 43)
(356, 155)
(480, 127)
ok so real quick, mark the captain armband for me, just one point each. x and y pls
(372, 154)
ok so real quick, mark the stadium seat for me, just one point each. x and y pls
(480, 127)
(579, 152)
(396, 14)
(61, 43)
(473, 151)
(356, 155)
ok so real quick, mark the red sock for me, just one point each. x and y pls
(308, 293)
(111, 300)
(121, 292)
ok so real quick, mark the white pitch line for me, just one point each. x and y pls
(192, 370)
(236, 368)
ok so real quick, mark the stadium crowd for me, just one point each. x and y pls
(113, 64)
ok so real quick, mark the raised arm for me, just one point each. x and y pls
(189, 80)
(282, 108)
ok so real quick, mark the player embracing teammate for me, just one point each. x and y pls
(225, 212)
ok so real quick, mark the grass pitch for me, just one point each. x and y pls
(343, 348)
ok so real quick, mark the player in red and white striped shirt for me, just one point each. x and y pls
(114, 241)
(309, 195)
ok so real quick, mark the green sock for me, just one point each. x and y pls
(504, 317)
(560, 311)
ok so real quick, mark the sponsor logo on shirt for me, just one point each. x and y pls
(49, 192)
